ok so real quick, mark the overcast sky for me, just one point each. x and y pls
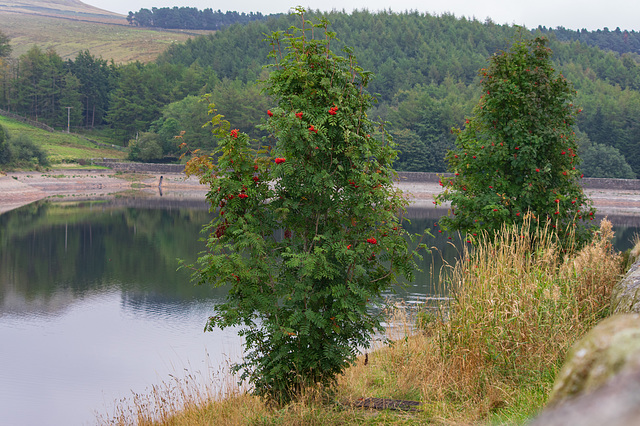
(573, 14)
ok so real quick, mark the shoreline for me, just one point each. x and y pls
(18, 189)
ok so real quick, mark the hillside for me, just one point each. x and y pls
(425, 78)
(70, 26)
(62, 149)
(65, 9)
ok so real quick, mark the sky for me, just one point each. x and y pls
(572, 14)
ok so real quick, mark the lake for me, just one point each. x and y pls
(92, 307)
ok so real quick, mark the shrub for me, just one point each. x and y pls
(148, 147)
(5, 152)
(25, 152)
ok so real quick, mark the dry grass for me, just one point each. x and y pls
(186, 400)
(122, 43)
(519, 303)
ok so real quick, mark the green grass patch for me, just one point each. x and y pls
(60, 147)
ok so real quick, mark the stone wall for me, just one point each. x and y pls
(410, 177)
(600, 183)
(590, 183)
(139, 167)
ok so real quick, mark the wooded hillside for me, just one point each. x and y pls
(425, 81)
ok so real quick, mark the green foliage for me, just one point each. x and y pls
(307, 234)
(518, 153)
(148, 147)
(5, 153)
(186, 115)
(242, 104)
(602, 161)
(96, 79)
(5, 47)
(190, 18)
(616, 40)
(426, 114)
(24, 152)
(136, 101)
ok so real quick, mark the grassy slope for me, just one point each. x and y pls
(70, 27)
(61, 147)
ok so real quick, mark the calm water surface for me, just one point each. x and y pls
(92, 307)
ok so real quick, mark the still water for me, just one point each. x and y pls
(92, 307)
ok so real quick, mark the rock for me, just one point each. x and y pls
(625, 296)
(612, 347)
(615, 404)
(599, 383)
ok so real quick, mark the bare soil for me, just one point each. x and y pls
(20, 188)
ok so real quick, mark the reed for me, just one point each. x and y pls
(519, 301)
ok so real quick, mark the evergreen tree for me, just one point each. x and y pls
(136, 101)
(518, 153)
(95, 77)
(70, 97)
(5, 153)
(5, 47)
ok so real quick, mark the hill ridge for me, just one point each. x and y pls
(71, 26)
(74, 10)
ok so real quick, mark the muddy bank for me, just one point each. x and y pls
(21, 188)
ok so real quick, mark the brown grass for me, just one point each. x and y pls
(519, 304)
(122, 43)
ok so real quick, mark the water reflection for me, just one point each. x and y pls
(91, 304)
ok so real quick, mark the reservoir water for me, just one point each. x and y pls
(92, 308)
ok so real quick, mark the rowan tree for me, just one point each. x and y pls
(517, 153)
(307, 234)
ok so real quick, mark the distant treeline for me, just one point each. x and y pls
(621, 41)
(190, 18)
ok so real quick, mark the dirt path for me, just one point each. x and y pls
(21, 188)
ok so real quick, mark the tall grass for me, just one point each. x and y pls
(519, 301)
(183, 399)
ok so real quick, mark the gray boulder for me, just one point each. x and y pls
(625, 295)
(600, 381)
(613, 346)
(615, 404)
